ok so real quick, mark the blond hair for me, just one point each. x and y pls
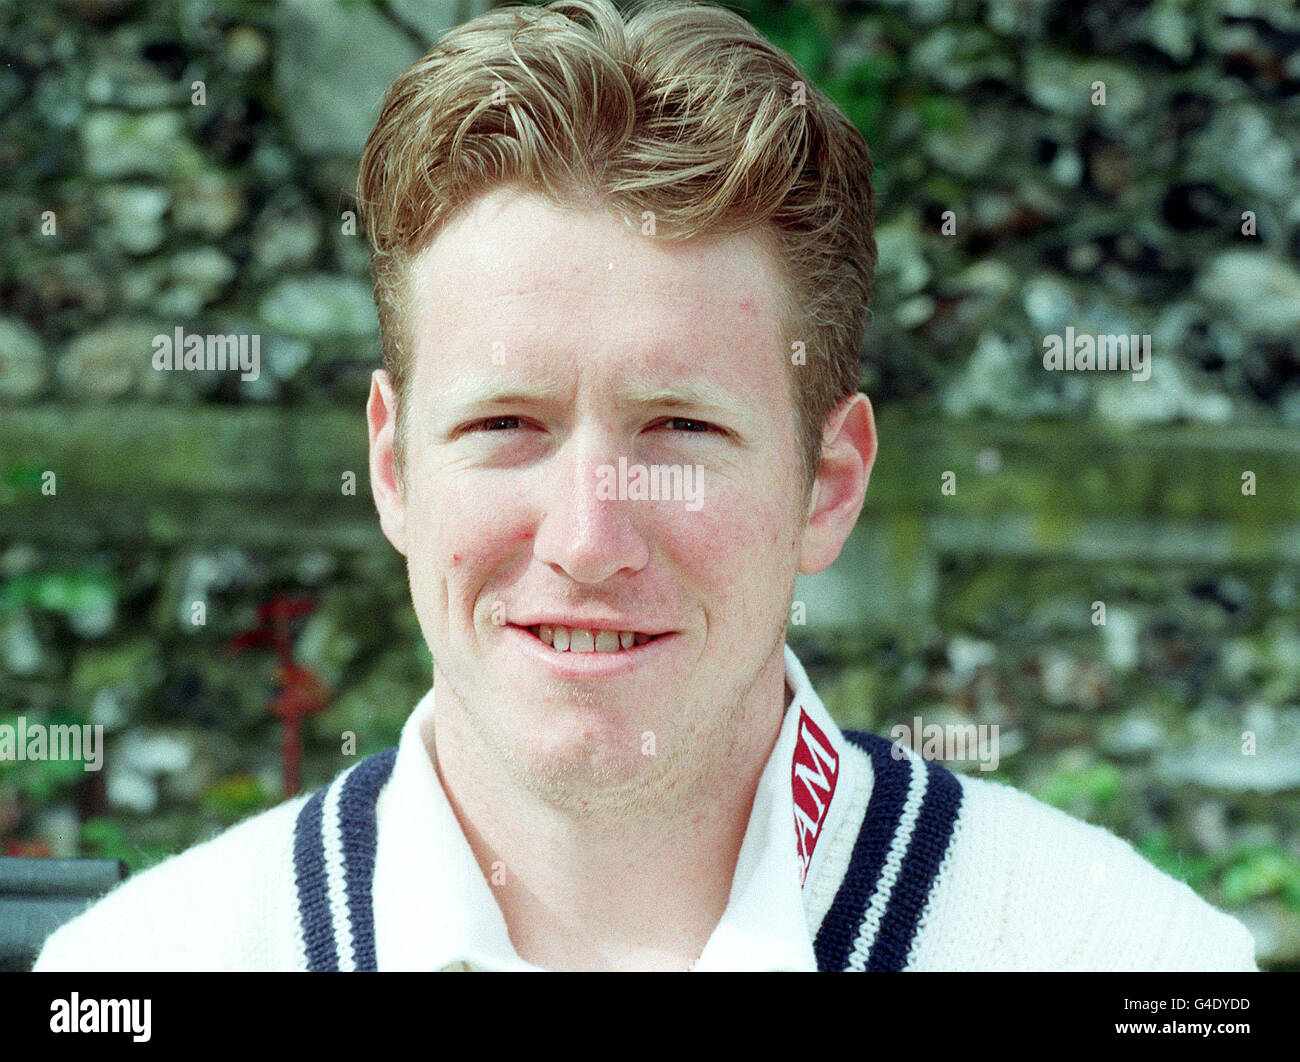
(683, 110)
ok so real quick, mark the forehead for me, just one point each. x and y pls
(513, 268)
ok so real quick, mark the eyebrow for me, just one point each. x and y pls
(701, 394)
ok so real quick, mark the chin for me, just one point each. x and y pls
(578, 759)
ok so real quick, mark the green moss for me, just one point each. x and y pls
(1159, 849)
(1092, 788)
(236, 797)
(103, 838)
(1259, 871)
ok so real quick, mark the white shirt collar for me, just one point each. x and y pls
(434, 909)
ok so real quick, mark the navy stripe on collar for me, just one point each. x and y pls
(357, 837)
(871, 924)
(873, 920)
(360, 836)
(313, 886)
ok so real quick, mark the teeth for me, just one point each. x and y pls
(580, 640)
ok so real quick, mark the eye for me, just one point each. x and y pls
(700, 426)
(494, 424)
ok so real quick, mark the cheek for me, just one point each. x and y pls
(735, 538)
(441, 549)
(480, 551)
(456, 520)
(466, 543)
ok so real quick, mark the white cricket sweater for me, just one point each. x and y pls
(859, 855)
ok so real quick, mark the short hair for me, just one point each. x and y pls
(682, 109)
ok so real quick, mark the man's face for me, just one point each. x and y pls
(548, 345)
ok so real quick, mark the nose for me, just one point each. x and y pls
(586, 530)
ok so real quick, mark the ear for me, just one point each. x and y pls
(381, 417)
(848, 452)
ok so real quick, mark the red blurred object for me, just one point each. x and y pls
(37, 848)
(301, 693)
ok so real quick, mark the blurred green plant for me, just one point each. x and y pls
(1242, 875)
(69, 592)
(21, 479)
(1158, 847)
(1082, 791)
(41, 781)
(804, 30)
(1258, 871)
(868, 92)
(233, 798)
(103, 838)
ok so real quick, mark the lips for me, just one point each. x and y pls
(587, 639)
(587, 663)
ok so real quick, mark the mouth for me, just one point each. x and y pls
(588, 640)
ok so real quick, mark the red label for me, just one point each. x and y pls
(813, 776)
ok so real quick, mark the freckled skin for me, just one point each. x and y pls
(516, 511)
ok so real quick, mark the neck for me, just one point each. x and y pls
(627, 884)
